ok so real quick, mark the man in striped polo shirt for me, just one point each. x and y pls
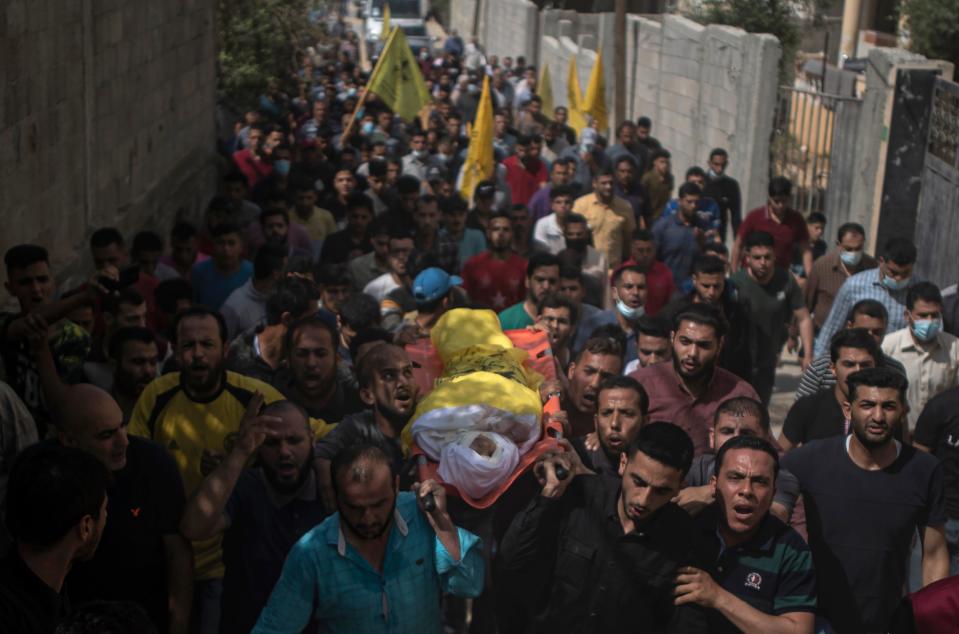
(762, 578)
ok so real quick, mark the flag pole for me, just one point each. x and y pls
(362, 101)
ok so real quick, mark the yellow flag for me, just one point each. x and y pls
(574, 98)
(594, 103)
(544, 88)
(385, 31)
(397, 79)
(479, 157)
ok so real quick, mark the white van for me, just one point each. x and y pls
(406, 14)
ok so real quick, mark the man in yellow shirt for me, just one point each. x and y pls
(610, 218)
(195, 413)
(318, 222)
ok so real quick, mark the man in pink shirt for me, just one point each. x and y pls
(688, 391)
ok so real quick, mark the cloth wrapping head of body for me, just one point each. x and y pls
(485, 390)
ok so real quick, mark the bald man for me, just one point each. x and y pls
(262, 510)
(142, 557)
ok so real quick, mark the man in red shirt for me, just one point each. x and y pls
(785, 225)
(525, 171)
(688, 391)
(659, 279)
(496, 277)
(253, 160)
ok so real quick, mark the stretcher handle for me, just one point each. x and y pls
(429, 502)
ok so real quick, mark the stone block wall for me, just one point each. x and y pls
(703, 87)
(106, 118)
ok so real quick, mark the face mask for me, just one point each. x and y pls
(926, 329)
(368, 128)
(895, 285)
(472, 89)
(441, 158)
(850, 258)
(281, 167)
(713, 174)
(420, 154)
(629, 314)
(577, 245)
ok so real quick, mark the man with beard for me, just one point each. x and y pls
(585, 556)
(610, 218)
(542, 275)
(865, 495)
(762, 578)
(274, 228)
(525, 171)
(495, 277)
(56, 512)
(310, 377)
(351, 241)
(195, 414)
(387, 388)
(142, 557)
(710, 286)
(622, 410)
(724, 189)
(261, 510)
(135, 356)
(688, 391)
(593, 264)
(381, 562)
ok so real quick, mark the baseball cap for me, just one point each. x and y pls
(432, 284)
(484, 190)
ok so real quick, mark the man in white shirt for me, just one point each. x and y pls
(401, 246)
(930, 356)
(548, 233)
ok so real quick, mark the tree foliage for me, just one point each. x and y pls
(782, 18)
(933, 28)
(258, 40)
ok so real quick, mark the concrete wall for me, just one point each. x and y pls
(106, 119)
(703, 87)
(506, 27)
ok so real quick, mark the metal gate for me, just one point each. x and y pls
(937, 220)
(813, 145)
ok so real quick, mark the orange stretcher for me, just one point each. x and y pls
(427, 367)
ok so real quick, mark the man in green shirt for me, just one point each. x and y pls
(542, 276)
(773, 298)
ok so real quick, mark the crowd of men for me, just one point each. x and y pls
(207, 435)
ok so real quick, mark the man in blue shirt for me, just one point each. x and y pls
(707, 210)
(680, 236)
(889, 284)
(214, 279)
(381, 562)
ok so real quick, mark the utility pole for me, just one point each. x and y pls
(619, 62)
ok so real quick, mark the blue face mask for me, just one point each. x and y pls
(368, 128)
(850, 258)
(629, 314)
(281, 167)
(926, 329)
(894, 285)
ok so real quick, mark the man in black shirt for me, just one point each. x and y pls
(623, 408)
(351, 241)
(142, 557)
(56, 511)
(724, 190)
(710, 286)
(587, 557)
(820, 415)
(261, 511)
(866, 495)
(937, 432)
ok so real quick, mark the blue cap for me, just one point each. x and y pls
(432, 284)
